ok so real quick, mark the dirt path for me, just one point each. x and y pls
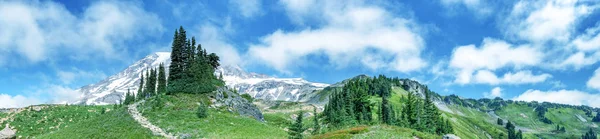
(132, 109)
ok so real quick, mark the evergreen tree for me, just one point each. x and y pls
(316, 125)
(176, 68)
(511, 130)
(500, 122)
(295, 130)
(148, 84)
(202, 111)
(596, 118)
(162, 79)
(589, 135)
(519, 135)
(140, 88)
(385, 111)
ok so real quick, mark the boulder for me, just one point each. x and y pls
(450, 136)
(7, 133)
(236, 103)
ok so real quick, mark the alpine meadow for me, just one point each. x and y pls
(300, 69)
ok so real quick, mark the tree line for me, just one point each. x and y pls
(192, 67)
(152, 82)
(351, 106)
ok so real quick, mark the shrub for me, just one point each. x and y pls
(247, 97)
(202, 111)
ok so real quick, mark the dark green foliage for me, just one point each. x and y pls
(316, 125)
(500, 122)
(386, 115)
(596, 118)
(559, 129)
(192, 68)
(129, 98)
(103, 110)
(589, 135)
(247, 97)
(541, 111)
(350, 105)
(512, 134)
(176, 82)
(202, 111)
(141, 87)
(295, 130)
(162, 80)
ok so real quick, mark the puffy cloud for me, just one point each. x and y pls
(247, 8)
(520, 77)
(69, 76)
(495, 92)
(572, 97)
(480, 8)
(594, 81)
(8, 101)
(541, 21)
(214, 39)
(354, 33)
(492, 55)
(35, 31)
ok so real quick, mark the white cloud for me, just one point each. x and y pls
(352, 33)
(520, 77)
(572, 97)
(478, 7)
(594, 81)
(44, 94)
(541, 21)
(8, 101)
(69, 76)
(492, 55)
(495, 92)
(214, 40)
(35, 31)
(299, 10)
(247, 8)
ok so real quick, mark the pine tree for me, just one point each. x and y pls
(148, 84)
(162, 79)
(511, 130)
(202, 111)
(140, 88)
(316, 125)
(596, 118)
(500, 122)
(385, 111)
(519, 135)
(175, 82)
(295, 130)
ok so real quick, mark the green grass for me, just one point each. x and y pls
(562, 116)
(376, 132)
(473, 124)
(116, 124)
(179, 117)
(53, 118)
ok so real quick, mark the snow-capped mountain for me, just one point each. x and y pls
(112, 90)
(265, 87)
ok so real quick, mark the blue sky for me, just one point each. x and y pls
(544, 50)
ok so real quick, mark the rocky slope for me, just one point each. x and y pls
(112, 90)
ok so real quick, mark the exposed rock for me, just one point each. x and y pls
(450, 136)
(235, 102)
(112, 89)
(7, 133)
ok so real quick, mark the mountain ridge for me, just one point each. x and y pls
(112, 89)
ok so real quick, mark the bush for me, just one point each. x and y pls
(247, 97)
(202, 111)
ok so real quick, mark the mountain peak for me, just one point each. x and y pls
(112, 89)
